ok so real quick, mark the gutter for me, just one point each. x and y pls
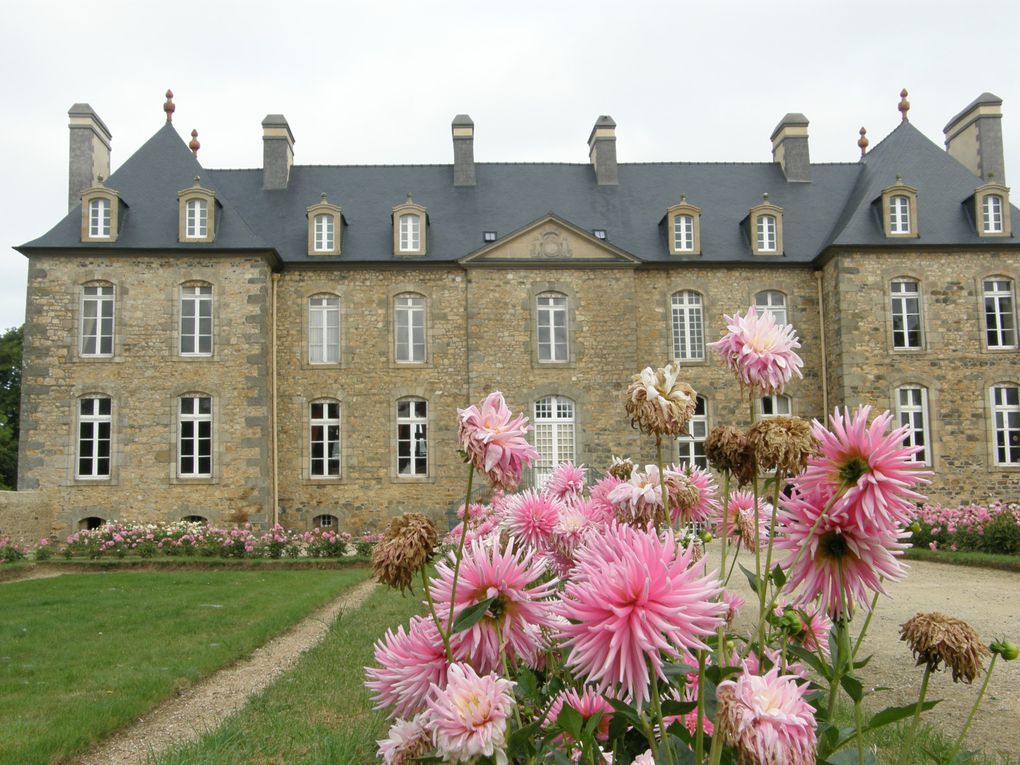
(273, 383)
(821, 334)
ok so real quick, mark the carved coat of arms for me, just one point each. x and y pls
(549, 245)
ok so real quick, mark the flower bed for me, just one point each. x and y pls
(993, 528)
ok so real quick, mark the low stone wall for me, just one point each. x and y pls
(27, 516)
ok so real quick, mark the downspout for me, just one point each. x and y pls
(821, 332)
(272, 378)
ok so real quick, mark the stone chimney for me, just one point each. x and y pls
(277, 152)
(90, 152)
(602, 150)
(974, 137)
(790, 147)
(463, 150)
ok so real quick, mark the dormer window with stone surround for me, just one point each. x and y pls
(991, 210)
(99, 208)
(766, 221)
(410, 224)
(197, 221)
(324, 228)
(899, 210)
(683, 226)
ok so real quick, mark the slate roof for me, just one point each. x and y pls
(835, 209)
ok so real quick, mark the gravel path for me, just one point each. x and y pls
(204, 706)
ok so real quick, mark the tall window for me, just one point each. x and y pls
(899, 214)
(412, 437)
(554, 435)
(912, 411)
(774, 302)
(688, 327)
(692, 446)
(99, 219)
(409, 321)
(324, 232)
(991, 214)
(323, 329)
(325, 439)
(683, 233)
(97, 320)
(95, 422)
(776, 405)
(194, 437)
(552, 327)
(196, 220)
(410, 233)
(766, 233)
(1000, 316)
(906, 313)
(196, 320)
(1006, 414)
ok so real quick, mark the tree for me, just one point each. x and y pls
(10, 405)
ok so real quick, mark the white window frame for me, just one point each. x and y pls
(991, 214)
(775, 405)
(100, 218)
(412, 438)
(900, 294)
(899, 214)
(1000, 313)
(92, 436)
(912, 411)
(683, 233)
(1006, 425)
(324, 232)
(98, 308)
(194, 435)
(409, 320)
(774, 302)
(691, 448)
(196, 219)
(194, 299)
(687, 319)
(552, 312)
(410, 232)
(325, 521)
(555, 435)
(324, 433)
(767, 233)
(323, 329)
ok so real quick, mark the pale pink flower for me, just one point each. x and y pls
(639, 499)
(815, 635)
(645, 758)
(766, 719)
(410, 663)
(759, 351)
(734, 602)
(495, 441)
(468, 718)
(531, 517)
(740, 523)
(634, 598)
(589, 703)
(602, 508)
(566, 483)
(405, 741)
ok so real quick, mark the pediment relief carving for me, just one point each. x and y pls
(549, 241)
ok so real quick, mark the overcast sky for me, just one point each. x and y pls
(379, 82)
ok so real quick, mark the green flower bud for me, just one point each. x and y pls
(914, 528)
(706, 537)
(1007, 649)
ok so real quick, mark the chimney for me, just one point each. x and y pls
(277, 152)
(90, 152)
(790, 147)
(463, 150)
(602, 150)
(974, 137)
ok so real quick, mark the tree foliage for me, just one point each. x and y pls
(10, 405)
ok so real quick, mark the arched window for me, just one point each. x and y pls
(409, 324)
(767, 233)
(774, 302)
(92, 522)
(554, 435)
(196, 519)
(1006, 422)
(899, 214)
(412, 437)
(776, 405)
(99, 218)
(323, 329)
(95, 423)
(691, 447)
(551, 310)
(324, 232)
(683, 233)
(688, 326)
(410, 232)
(324, 436)
(912, 411)
(325, 522)
(991, 214)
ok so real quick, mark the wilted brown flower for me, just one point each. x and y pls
(658, 403)
(683, 494)
(621, 468)
(936, 638)
(408, 544)
(727, 448)
(783, 443)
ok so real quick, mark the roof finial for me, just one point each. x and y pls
(899, 179)
(683, 198)
(765, 198)
(99, 180)
(409, 200)
(991, 176)
(194, 145)
(197, 181)
(169, 107)
(863, 141)
(322, 197)
(904, 106)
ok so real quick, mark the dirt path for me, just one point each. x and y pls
(986, 599)
(204, 706)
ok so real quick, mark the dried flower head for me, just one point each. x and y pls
(782, 443)
(408, 545)
(658, 403)
(406, 741)
(727, 448)
(936, 638)
(621, 468)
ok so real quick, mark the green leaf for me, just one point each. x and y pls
(863, 662)
(626, 711)
(672, 670)
(752, 578)
(849, 757)
(520, 742)
(893, 714)
(571, 721)
(717, 674)
(963, 757)
(811, 659)
(779, 576)
(853, 687)
(673, 708)
(591, 724)
(527, 685)
(471, 615)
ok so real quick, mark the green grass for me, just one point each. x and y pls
(318, 713)
(81, 656)
(975, 559)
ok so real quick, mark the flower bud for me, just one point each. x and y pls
(914, 528)
(706, 537)
(1007, 649)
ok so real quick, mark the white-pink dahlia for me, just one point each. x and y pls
(759, 351)
(496, 441)
(410, 663)
(566, 483)
(468, 718)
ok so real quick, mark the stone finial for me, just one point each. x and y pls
(765, 198)
(197, 182)
(904, 106)
(899, 179)
(409, 200)
(194, 145)
(683, 198)
(169, 107)
(99, 180)
(863, 142)
(322, 197)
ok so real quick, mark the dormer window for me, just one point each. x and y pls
(99, 218)
(899, 210)
(99, 207)
(197, 221)
(991, 214)
(766, 233)
(899, 215)
(991, 210)
(410, 224)
(766, 228)
(683, 228)
(325, 228)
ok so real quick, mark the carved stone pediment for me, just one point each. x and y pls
(550, 240)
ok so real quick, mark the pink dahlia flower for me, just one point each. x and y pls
(759, 351)
(638, 500)
(879, 471)
(766, 719)
(815, 635)
(468, 718)
(589, 703)
(410, 663)
(734, 602)
(495, 441)
(634, 597)
(531, 517)
(602, 508)
(702, 485)
(566, 482)
(645, 758)
(406, 741)
(513, 577)
(740, 523)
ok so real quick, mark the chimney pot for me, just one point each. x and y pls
(277, 152)
(790, 147)
(89, 151)
(974, 137)
(463, 130)
(602, 151)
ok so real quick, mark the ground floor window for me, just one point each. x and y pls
(554, 435)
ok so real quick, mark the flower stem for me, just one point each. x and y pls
(974, 709)
(663, 488)
(909, 738)
(725, 534)
(506, 667)
(768, 556)
(657, 711)
(733, 565)
(435, 616)
(460, 548)
(867, 623)
(699, 731)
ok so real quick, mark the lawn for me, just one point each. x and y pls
(82, 655)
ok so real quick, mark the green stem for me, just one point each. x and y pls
(506, 668)
(460, 548)
(733, 565)
(657, 711)
(867, 623)
(909, 738)
(699, 731)
(663, 488)
(435, 616)
(768, 556)
(726, 516)
(974, 709)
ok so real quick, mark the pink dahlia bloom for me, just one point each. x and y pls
(566, 482)
(495, 441)
(405, 741)
(645, 758)
(815, 635)
(740, 523)
(589, 703)
(531, 517)
(639, 499)
(513, 577)
(410, 663)
(633, 598)
(704, 486)
(602, 508)
(873, 462)
(734, 602)
(766, 719)
(468, 718)
(759, 351)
